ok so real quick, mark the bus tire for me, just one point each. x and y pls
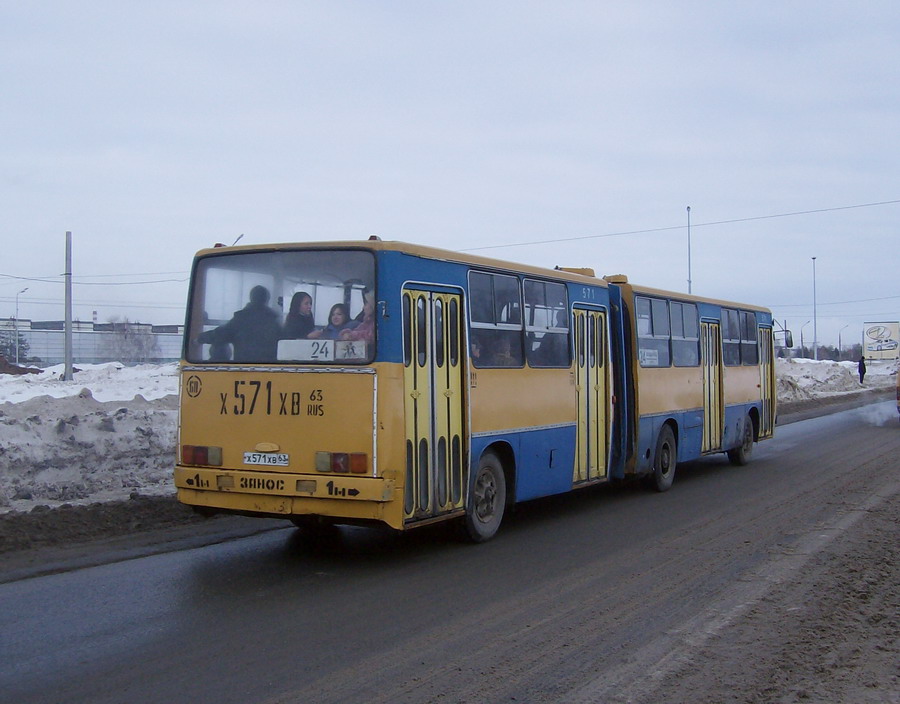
(740, 455)
(664, 460)
(487, 499)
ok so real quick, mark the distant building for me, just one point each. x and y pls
(93, 343)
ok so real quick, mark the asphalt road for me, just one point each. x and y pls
(590, 597)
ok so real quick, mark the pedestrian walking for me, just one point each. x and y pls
(861, 367)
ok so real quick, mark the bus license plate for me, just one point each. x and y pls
(269, 459)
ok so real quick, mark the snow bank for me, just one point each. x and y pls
(107, 382)
(801, 379)
(105, 434)
(111, 431)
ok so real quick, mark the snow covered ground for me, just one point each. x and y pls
(111, 431)
(802, 379)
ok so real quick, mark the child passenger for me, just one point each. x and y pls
(338, 321)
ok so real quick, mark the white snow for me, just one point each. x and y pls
(111, 431)
(107, 382)
(800, 379)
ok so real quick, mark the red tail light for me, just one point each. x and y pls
(202, 455)
(342, 462)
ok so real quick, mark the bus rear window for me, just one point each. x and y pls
(283, 306)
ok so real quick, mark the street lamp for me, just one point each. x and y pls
(802, 344)
(840, 346)
(16, 327)
(815, 330)
(689, 248)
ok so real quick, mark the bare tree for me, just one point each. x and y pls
(130, 342)
(8, 346)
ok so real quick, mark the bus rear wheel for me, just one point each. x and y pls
(487, 499)
(664, 461)
(740, 455)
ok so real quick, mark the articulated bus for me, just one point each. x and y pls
(378, 382)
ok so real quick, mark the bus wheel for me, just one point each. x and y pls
(664, 460)
(487, 499)
(741, 455)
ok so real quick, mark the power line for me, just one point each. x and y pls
(681, 227)
(127, 283)
(99, 304)
(150, 273)
(833, 303)
(76, 280)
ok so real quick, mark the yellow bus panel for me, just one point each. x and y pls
(290, 413)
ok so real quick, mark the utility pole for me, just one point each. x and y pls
(67, 371)
(815, 321)
(16, 327)
(840, 345)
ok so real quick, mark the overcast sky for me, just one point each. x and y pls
(151, 130)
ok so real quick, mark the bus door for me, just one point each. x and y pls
(433, 403)
(591, 388)
(766, 383)
(713, 411)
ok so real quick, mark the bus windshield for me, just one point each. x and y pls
(283, 306)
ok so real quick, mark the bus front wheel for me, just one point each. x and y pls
(664, 461)
(741, 454)
(487, 499)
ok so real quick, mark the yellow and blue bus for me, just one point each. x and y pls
(379, 382)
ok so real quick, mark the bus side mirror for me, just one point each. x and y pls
(783, 338)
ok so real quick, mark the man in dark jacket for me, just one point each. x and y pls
(861, 367)
(253, 331)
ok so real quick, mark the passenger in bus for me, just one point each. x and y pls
(253, 331)
(299, 321)
(502, 355)
(552, 351)
(475, 348)
(338, 321)
(553, 347)
(220, 352)
(365, 330)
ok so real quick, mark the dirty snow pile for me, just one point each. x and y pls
(802, 379)
(111, 431)
(108, 433)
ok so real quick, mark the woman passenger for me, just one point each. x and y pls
(299, 321)
(365, 330)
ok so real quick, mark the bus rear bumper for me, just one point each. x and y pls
(285, 495)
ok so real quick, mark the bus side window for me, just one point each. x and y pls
(496, 320)
(653, 331)
(685, 334)
(731, 337)
(749, 335)
(547, 324)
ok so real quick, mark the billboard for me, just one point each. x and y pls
(881, 340)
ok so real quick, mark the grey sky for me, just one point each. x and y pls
(151, 130)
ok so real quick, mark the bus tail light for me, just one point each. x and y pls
(201, 455)
(342, 462)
